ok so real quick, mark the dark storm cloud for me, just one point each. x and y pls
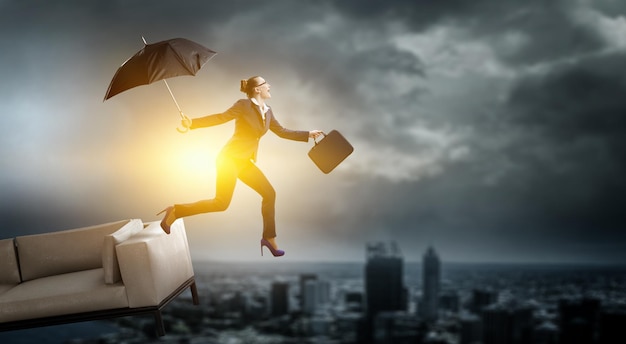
(114, 19)
(551, 174)
(574, 101)
(610, 8)
(572, 119)
(549, 28)
(520, 36)
(354, 80)
(549, 31)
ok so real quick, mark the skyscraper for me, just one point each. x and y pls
(280, 298)
(316, 294)
(384, 286)
(303, 280)
(431, 277)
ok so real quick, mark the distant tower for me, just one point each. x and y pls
(280, 298)
(431, 279)
(316, 294)
(303, 280)
(384, 286)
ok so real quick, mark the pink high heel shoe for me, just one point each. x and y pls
(275, 252)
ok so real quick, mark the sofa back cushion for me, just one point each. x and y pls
(55, 253)
(9, 270)
(109, 257)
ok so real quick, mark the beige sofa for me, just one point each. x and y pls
(110, 270)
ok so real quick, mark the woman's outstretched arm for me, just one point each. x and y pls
(211, 120)
(296, 135)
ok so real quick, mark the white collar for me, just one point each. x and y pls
(263, 108)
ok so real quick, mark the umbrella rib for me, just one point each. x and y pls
(181, 60)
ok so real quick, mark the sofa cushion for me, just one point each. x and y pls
(6, 287)
(109, 257)
(71, 293)
(9, 270)
(55, 253)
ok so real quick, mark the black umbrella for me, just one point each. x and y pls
(159, 61)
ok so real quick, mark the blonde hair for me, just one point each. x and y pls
(247, 86)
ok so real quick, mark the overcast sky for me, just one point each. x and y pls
(492, 130)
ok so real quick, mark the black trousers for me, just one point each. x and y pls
(228, 171)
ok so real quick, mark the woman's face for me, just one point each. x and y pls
(263, 88)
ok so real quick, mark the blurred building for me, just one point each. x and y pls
(347, 326)
(384, 279)
(471, 330)
(320, 325)
(450, 301)
(256, 307)
(612, 325)
(303, 279)
(316, 295)
(397, 327)
(384, 285)
(354, 301)
(431, 280)
(545, 333)
(507, 324)
(578, 320)
(482, 298)
(280, 298)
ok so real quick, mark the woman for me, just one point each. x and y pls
(253, 118)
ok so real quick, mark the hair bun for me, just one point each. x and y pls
(243, 86)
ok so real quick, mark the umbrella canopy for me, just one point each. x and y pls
(159, 61)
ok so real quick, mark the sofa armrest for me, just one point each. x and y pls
(153, 264)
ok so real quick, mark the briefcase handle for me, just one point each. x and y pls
(315, 138)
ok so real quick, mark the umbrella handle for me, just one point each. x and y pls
(184, 129)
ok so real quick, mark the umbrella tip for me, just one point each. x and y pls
(144, 40)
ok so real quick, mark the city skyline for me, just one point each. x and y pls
(490, 130)
(362, 303)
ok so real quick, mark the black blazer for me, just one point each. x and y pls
(249, 128)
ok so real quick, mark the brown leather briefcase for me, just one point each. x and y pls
(330, 151)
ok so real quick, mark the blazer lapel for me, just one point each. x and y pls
(254, 117)
(268, 119)
(257, 119)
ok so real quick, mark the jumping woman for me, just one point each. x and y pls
(253, 118)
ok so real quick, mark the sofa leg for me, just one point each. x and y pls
(158, 322)
(194, 293)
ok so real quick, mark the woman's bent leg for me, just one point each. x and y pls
(225, 185)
